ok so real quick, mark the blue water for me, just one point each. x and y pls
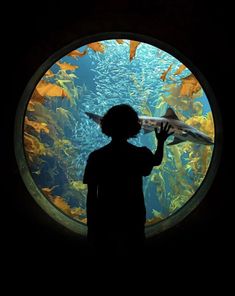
(102, 81)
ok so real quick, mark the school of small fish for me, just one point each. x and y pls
(58, 136)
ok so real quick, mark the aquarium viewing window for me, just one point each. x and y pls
(54, 136)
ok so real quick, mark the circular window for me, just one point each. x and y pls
(54, 135)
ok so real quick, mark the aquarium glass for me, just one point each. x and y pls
(58, 135)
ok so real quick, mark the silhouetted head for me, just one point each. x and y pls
(121, 122)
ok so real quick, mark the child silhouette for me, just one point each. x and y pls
(116, 211)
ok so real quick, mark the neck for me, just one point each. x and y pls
(118, 141)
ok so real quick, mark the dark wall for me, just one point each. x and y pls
(200, 31)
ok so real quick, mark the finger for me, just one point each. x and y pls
(171, 133)
(161, 126)
(165, 126)
(169, 127)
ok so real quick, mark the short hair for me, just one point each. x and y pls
(121, 121)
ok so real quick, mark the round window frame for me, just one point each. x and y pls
(58, 215)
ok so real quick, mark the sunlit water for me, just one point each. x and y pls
(58, 135)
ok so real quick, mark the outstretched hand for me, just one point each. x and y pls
(163, 134)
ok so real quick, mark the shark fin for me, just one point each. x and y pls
(175, 141)
(96, 118)
(170, 114)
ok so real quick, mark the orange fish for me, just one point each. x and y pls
(66, 66)
(133, 47)
(163, 76)
(48, 89)
(96, 46)
(76, 53)
(120, 41)
(180, 69)
(189, 86)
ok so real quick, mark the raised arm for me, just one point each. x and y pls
(161, 136)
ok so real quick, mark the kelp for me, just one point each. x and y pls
(190, 86)
(47, 89)
(77, 53)
(97, 46)
(181, 68)
(49, 73)
(120, 41)
(75, 212)
(36, 98)
(34, 147)
(52, 118)
(66, 66)
(163, 76)
(78, 185)
(58, 136)
(133, 47)
(37, 126)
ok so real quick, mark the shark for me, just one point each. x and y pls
(182, 131)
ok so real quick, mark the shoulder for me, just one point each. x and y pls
(97, 153)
